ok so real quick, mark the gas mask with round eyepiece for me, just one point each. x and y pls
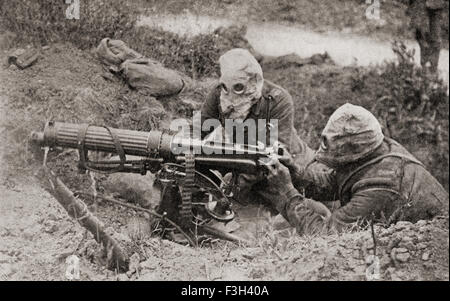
(241, 83)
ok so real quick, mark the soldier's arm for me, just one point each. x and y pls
(305, 218)
(314, 176)
(315, 179)
(318, 175)
(369, 196)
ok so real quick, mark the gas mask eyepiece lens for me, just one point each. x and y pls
(238, 88)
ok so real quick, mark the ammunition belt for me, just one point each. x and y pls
(186, 194)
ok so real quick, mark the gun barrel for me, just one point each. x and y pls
(97, 138)
(244, 158)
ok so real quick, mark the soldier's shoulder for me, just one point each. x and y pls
(381, 173)
(277, 92)
(387, 164)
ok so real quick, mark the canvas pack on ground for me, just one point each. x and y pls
(152, 76)
(140, 73)
(115, 52)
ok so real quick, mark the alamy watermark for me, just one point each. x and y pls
(373, 270)
(373, 10)
(239, 132)
(73, 10)
(73, 268)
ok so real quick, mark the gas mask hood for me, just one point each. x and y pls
(351, 134)
(241, 83)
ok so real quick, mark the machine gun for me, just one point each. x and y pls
(190, 192)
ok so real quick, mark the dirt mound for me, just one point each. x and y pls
(404, 251)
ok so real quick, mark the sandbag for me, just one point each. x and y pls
(152, 76)
(134, 188)
(115, 52)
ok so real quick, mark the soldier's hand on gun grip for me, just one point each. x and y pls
(286, 158)
(279, 176)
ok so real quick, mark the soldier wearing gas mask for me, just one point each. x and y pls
(242, 93)
(374, 177)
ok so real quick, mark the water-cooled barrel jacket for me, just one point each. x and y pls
(280, 105)
(390, 183)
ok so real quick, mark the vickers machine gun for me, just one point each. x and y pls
(190, 192)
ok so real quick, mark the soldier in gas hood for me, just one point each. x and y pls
(373, 176)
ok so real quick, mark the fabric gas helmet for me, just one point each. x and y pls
(241, 83)
(351, 134)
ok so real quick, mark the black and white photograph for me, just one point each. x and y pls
(224, 146)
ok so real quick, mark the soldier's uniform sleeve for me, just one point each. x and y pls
(317, 180)
(210, 108)
(319, 175)
(283, 110)
(363, 202)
